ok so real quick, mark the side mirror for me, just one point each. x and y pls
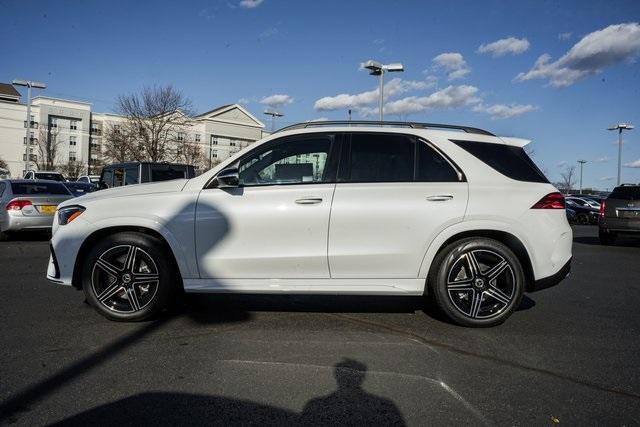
(227, 178)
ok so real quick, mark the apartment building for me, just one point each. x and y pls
(79, 132)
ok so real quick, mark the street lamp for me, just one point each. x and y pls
(377, 69)
(620, 127)
(582, 162)
(28, 84)
(273, 115)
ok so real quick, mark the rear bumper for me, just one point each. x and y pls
(24, 222)
(554, 279)
(620, 225)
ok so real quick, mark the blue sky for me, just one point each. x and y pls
(226, 51)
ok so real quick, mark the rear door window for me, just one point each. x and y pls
(167, 172)
(107, 178)
(378, 157)
(627, 192)
(118, 177)
(509, 160)
(433, 167)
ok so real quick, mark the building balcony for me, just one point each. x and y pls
(32, 140)
(34, 125)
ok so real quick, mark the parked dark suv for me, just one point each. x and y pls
(128, 173)
(620, 213)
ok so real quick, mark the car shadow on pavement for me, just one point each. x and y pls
(620, 241)
(348, 405)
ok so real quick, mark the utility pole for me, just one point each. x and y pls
(28, 84)
(620, 127)
(377, 69)
(273, 115)
(582, 162)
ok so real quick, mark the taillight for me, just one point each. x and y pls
(602, 206)
(16, 205)
(550, 201)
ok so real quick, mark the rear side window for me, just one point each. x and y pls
(432, 167)
(380, 158)
(26, 188)
(510, 161)
(627, 192)
(167, 172)
(131, 175)
(107, 178)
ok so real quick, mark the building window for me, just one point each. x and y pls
(180, 136)
(53, 122)
(116, 129)
(73, 125)
(213, 140)
(72, 140)
(214, 154)
(72, 156)
(232, 143)
(197, 137)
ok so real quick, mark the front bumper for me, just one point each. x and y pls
(552, 280)
(66, 242)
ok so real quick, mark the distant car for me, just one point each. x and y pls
(585, 214)
(29, 204)
(129, 173)
(89, 179)
(571, 215)
(51, 176)
(80, 188)
(620, 214)
(586, 201)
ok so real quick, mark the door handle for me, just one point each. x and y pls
(440, 197)
(309, 201)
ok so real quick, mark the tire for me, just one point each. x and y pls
(606, 237)
(486, 298)
(4, 236)
(129, 277)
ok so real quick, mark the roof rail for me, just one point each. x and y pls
(413, 125)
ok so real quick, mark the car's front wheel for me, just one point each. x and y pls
(128, 276)
(477, 282)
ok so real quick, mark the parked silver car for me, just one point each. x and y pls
(29, 204)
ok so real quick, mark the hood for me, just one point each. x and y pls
(174, 185)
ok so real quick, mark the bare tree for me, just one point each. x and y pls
(568, 177)
(118, 146)
(72, 170)
(156, 121)
(48, 145)
(190, 152)
(3, 164)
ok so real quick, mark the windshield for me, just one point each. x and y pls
(28, 188)
(50, 176)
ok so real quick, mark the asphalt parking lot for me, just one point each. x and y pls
(569, 355)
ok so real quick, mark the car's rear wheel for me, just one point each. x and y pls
(477, 282)
(128, 277)
(583, 219)
(606, 237)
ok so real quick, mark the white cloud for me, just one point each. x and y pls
(250, 4)
(510, 45)
(269, 32)
(634, 164)
(453, 63)
(564, 36)
(597, 50)
(277, 100)
(502, 111)
(562, 163)
(603, 159)
(449, 97)
(607, 178)
(393, 88)
(243, 101)
(319, 119)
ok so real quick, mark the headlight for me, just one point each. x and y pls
(69, 213)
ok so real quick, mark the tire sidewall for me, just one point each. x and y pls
(155, 249)
(438, 282)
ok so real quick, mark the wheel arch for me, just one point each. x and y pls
(508, 239)
(99, 234)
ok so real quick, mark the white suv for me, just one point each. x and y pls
(451, 212)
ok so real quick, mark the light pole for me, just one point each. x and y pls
(273, 115)
(28, 84)
(620, 127)
(582, 162)
(377, 69)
